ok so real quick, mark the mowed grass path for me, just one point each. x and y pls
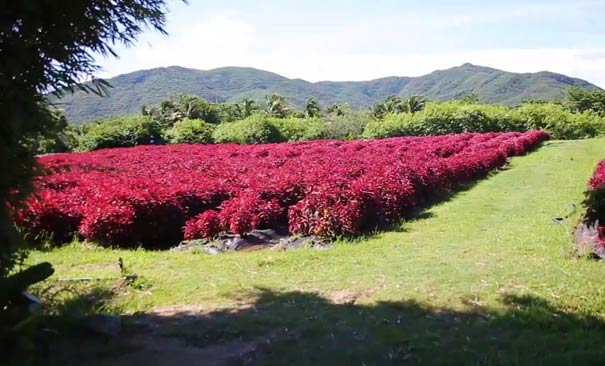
(491, 251)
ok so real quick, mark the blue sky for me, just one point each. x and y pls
(360, 40)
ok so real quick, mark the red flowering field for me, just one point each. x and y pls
(158, 195)
(595, 200)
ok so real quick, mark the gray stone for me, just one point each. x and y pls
(587, 241)
(236, 243)
(257, 239)
(212, 249)
(266, 235)
(188, 245)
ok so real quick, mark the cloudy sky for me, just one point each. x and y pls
(360, 40)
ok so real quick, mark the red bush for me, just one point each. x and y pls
(595, 200)
(598, 177)
(205, 225)
(156, 195)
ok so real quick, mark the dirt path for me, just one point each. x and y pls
(143, 340)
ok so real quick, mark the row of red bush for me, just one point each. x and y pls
(595, 200)
(158, 195)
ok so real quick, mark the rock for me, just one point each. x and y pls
(236, 243)
(267, 235)
(321, 243)
(105, 324)
(188, 245)
(294, 243)
(212, 249)
(587, 241)
(255, 240)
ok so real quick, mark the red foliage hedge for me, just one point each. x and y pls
(595, 200)
(158, 195)
(598, 177)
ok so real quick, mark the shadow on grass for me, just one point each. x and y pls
(296, 328)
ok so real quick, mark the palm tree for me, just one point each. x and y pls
(336, 109)
(277, 106)
(379, 110)
(414, 104)
(395, 105)
(247, 107)
(391, 105)
(312, 108)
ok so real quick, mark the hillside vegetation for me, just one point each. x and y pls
(231, 84)
(190, 119)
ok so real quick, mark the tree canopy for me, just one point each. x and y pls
(581, 100)
(48, 46)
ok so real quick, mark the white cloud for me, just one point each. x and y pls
(212, 42)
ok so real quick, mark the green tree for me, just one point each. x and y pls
(182, 106)
(247, 107)
(391, 105)
(194, 107)
(47, 46)
(277, 106)
(414, 104)
(55, 137)
(190, 131)
(312, 108)
(228, 112)
(580, 100)
(336, 109)
(470, 98)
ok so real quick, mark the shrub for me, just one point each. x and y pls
(121, 131)
(346, 126)
(249, 211)
(190, 131)
(559, 122)
(298, 129)
(440, 119)
(456, 117)
(595, 200)
(589, 124)
(204, 225)
(393, 125)
(255, 129)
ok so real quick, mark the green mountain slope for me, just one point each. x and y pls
(230, 84)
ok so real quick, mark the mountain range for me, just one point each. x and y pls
(230, 84)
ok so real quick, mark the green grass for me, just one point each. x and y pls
(486, 277)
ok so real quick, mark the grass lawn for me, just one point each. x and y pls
(484, 278)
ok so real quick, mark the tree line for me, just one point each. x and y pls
(190, 119)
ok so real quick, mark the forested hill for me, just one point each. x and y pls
(231, 84)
